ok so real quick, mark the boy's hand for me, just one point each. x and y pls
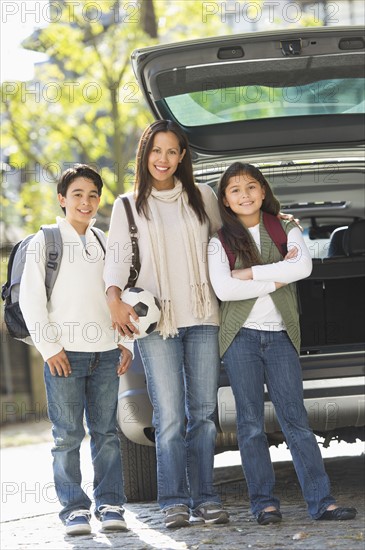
(59, 364)
(125, 360)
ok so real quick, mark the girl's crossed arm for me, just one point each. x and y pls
(225, 286)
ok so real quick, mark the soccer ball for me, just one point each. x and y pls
(147, 307)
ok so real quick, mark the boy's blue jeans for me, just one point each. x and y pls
(253, 359)
(92, 388)
(182, 377)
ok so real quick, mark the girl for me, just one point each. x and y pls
(259, 341)
(181, 359)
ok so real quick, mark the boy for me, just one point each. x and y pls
(73, 333)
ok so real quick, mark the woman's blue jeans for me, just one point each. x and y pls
(182, 378)
(92, 388)
(256, 357)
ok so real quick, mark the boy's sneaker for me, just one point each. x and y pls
(78, 523)
(176, 516)
(209, 513)
(112, 518)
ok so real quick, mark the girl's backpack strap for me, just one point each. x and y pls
(276, 231)
(230, 255)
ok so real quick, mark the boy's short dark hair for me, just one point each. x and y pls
(78, 171)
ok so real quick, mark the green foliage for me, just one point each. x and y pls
(84, 104)
(37, 205)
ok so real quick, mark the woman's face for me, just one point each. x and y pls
(164, 159)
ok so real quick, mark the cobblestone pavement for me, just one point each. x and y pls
(297, 531)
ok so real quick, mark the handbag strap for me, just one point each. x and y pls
(136, 264)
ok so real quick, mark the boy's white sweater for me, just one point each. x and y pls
(118, 257)
(77, 317)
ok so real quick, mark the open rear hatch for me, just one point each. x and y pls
(259, 92)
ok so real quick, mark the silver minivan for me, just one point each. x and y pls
(291, 102)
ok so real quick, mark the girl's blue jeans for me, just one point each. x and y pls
(253, 359)
(182, 378)
(91, 389)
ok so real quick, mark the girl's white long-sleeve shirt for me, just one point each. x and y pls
(118, 257)
(264, 314)
(76, 318)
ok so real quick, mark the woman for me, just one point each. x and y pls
(181, 360)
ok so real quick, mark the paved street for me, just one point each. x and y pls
(30, 521)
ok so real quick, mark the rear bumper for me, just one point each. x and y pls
(330, 404)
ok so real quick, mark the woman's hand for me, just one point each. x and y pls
(125, 360)
(59, 364)
(291, 218)
(121, 313)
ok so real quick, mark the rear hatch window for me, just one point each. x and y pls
(257, 101)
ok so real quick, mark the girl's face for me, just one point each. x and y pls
(164, 159)
(81, 203)
(244, 195)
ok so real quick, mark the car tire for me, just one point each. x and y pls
(139, 470)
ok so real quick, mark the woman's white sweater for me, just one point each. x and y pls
(118, 257)
(77, 317)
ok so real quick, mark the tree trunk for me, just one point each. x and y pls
(148, 18)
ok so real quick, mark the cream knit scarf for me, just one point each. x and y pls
(195, 257)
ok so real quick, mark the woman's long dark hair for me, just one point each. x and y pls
(235, 234)
(184, 172)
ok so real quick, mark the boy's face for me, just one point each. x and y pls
(81, 203)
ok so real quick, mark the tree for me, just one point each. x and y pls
(84, 104)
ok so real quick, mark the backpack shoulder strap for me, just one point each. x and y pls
(54, 250)
(100, 235)
(276, 231)
(230, 255)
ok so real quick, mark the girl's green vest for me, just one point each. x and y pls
(234, 314)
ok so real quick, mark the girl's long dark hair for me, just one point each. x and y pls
(236, 235)
(184, 172)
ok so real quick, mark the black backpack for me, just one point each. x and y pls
(13, 316)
